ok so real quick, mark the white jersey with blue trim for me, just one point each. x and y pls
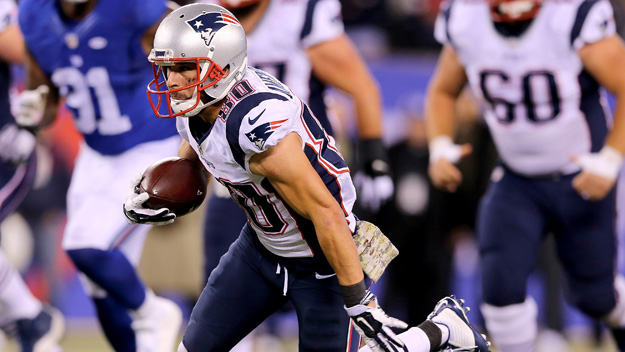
(8, 10)
(257, 114)
(278, 43)
(541, 105)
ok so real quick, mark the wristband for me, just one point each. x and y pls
(612, 156)
(606, 163)
(353, 294)
(443, 147)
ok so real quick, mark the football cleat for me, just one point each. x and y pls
(451, 312)
(158, 330)
(42, 333)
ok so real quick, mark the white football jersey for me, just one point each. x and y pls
(258, 113)
(541, 105)
(279, 41)
(8, 10)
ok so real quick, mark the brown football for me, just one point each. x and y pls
(174, 183)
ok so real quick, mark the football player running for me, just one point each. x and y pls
(266, 147)
(538, 67)
(311, 52)
(92, 53)
(37, 327)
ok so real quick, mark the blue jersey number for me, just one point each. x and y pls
(505, 111)
(76, 87)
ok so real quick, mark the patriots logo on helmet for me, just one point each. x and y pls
(207, 24)
(260, 134)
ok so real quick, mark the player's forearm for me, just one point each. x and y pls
(439, 114)
(368, 110)
(338, 246)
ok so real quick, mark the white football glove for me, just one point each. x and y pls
(374, 325)
(30, 106)
(443, 147)
(607, 163)
(16, 143)
(137, 214)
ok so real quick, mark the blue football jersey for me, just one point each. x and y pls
(99, 67)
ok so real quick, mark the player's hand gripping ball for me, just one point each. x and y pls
(177, 184)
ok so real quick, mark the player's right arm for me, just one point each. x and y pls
(443, 91)
(187, 152)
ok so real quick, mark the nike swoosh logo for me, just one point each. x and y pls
(253, 121)
(321, 277)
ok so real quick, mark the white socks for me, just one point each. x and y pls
(416, 340)
(513, 328)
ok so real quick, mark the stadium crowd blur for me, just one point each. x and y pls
(432, 230)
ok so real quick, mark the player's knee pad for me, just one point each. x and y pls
(181, 348)
(616, 317)
(513, 324)
(498, 286)
(595, 298)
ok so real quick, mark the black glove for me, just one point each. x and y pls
(373, 182)
(374, 326)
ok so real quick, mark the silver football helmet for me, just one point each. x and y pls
(207, 35)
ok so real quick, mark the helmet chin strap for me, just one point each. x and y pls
(182, 105)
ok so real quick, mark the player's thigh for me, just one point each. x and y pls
(236, 299)
(510, 228)
(97, 191)
(323, 323)
(587, 247)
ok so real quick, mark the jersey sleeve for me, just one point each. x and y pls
(594, 21)
(148, 12)
(8, 11)
(441, 25)
(323, 22)
(265, 126)
(182, 129)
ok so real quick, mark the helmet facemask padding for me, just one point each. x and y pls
(206, 71)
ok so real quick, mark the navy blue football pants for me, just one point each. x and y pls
(514, 216)
(247, 287)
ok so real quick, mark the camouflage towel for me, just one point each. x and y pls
(374, 249)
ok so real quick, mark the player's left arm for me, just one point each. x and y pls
(605, 61)
(288, 170)
(337, 63)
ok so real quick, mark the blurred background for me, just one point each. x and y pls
(433, 230)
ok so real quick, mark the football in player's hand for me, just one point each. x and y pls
(177, 184)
